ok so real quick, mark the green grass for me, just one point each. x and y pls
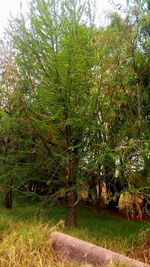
(109, 232)
(25, 230)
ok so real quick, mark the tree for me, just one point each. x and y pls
(75, 100)
(55, 61)
(123, 64)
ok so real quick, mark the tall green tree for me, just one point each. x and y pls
(55, 62)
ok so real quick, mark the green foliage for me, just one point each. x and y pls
(75, 97)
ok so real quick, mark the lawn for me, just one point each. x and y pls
(25, 231)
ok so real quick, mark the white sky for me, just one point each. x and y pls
(13, 6)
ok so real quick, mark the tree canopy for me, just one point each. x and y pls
(75, 100)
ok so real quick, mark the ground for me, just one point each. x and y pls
(25, 231)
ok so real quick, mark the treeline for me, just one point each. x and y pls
(75, 102)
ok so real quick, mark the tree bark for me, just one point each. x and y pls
(8, 199)
(97, 200)
(71, 170)
(72, 209)
(71, 189)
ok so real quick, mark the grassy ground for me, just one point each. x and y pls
(25, 230)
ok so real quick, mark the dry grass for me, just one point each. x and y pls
(142, 250)
(28, 245)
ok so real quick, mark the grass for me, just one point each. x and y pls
(25, 231)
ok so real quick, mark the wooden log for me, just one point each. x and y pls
(75, 250)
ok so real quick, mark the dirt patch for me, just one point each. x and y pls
(142, 251)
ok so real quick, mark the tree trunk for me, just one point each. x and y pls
(71, 189)
(71, 170)
(72, 209)
(97, 200)
(8, 199)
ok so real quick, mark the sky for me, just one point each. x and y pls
(13, 7)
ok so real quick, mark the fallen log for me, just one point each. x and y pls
(75, 250)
